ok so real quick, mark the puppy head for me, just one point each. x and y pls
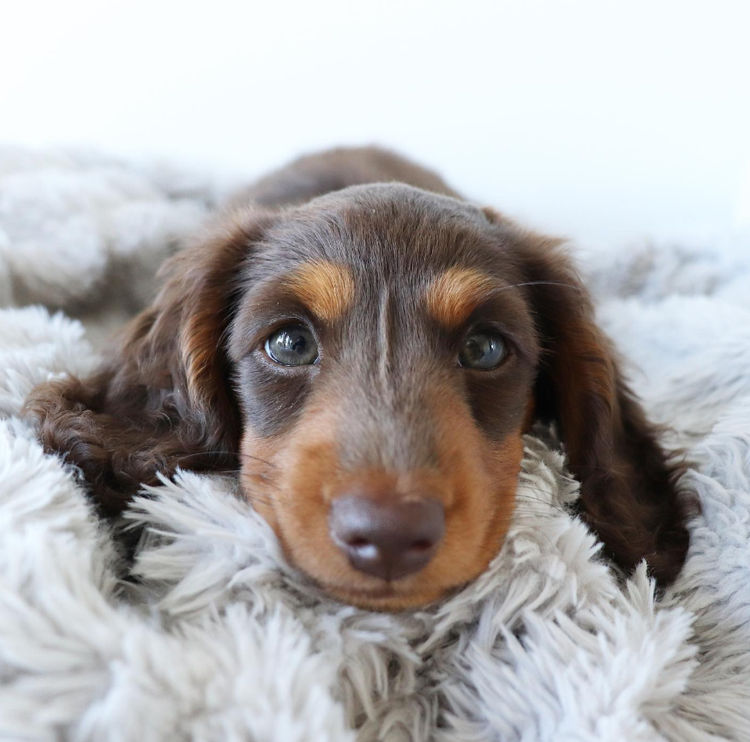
(372, 359)
(385, 357)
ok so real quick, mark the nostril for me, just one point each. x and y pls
(361, 549)
(364, 553)
(421, 545)
(357, 542)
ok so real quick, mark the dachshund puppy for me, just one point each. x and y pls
(367, 349)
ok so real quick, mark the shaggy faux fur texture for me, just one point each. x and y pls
(221, 640)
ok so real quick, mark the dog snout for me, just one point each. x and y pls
(387, 537)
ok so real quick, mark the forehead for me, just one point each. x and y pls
(383, 235)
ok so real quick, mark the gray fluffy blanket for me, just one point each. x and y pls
(222, 640)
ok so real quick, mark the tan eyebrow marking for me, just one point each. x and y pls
(453, 295)
(326, 288)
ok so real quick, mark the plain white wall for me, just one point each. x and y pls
(588, 117)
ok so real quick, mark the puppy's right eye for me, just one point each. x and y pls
(293, 345)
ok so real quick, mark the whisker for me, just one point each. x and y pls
(261, 478)
(539, 283)
(520, 496)
(224, 452)
(254, 496)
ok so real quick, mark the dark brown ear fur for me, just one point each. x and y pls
(629, 494)
(165, 397)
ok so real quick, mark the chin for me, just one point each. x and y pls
(389, 598)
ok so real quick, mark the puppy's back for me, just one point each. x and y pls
(314, 175)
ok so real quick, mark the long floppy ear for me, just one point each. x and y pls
(165, 397)
(628, 482)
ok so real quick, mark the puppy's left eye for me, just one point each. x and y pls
(293, 345)
(483, 350)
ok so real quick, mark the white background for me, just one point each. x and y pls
(596, 119)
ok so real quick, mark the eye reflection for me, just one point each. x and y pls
(483, 351)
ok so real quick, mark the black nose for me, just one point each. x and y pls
(388, 538)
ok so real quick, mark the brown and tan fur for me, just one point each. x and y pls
(390, 277)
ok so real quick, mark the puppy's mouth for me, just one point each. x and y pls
(387, 592)
(387, 596)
